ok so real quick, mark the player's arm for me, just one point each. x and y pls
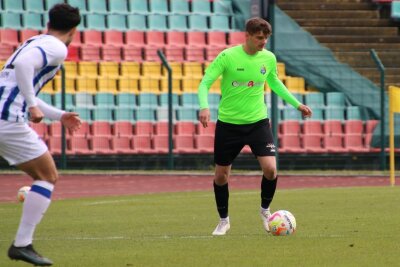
(213, 71)
(280, 89)
(24, 67)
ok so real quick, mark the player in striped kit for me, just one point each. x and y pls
(28, 69)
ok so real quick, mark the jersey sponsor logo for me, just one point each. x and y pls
(263, 70)
(240, 69)
(248, 84)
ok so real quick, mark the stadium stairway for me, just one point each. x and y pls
(350, 28)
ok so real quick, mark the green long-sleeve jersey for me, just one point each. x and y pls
(242, 85)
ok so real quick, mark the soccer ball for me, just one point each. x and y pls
(22, 192)
(281, 223)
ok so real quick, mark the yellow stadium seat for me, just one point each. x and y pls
(281, 70)
(216, 87)
(2, 64)
(48, 88)
(87, 69)
(130, 69)
(190, 84)
(109, 69)
(177, 70)
(192, 69)
(151, 69)
(107, 84)
(69, 84)
(149, 85)
(86, 84)
(71, 69)
(128, 85)
(176, 84)
(295, 84)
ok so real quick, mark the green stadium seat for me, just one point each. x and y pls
(34, 6)
(85, 113)
(354, 113)
(137, 22)
(189, 99)
(11, 20)
(157, 22)
(97, 6)
(186, 114)
(334, 113)
(145, 114)
(125, 99)
(213, 113)
(201, 7)
(118, 7)
(335, 99)
(198, 23)
(314, 99)
(289, 113)
(83, 99)
(158, 7)
(177, 23)
(179, 7)
(50, 3)
(13, 5)
(80, 4)
(318, 114)
(69, 101)
(163, 99)
(223, 7)
(32, 21)
(213, 99)
(138, 7)
(46, 98)
(96, 22)
(162, 114)
(395, 10)
(116, 22)
(219, 23)
(124, 114)
(104, 99)
(103, 113)
(147, 99)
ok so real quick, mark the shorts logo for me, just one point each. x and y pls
(271, 147)
(263, 70)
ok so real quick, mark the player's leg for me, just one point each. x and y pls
(44, 173)
(221, 192)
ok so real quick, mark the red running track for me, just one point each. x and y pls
(79, 186)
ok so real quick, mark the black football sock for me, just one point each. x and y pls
(268, 188)
(221, 198)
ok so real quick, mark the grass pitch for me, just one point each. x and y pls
(335, 227)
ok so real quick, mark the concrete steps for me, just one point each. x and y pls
(333, 14)
(353, 31)
(345, 22)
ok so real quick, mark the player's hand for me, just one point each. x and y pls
(35, 114)
(306, 111)
(71, 121)
(204, 117)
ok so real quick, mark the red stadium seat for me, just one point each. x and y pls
(353, 127)
(160, 143)
(73, 53)
(5, 51)
(122, 128)
(210, 130)
(333, 127)
(370, 126)
(175, 54)
(312, 127)
(176, 39)
(55, 129)
(184, 144)
(142, 144)
(84, 131)
(40, 128)
(312, 143)
(135, 38)
(204, 143)
(121, 145)
(25, 34)
(150, 53)
(213, 51)
(101, 128)
(111, 53)
(90, 53)
(9, 36)
(354, 143)
(185, 128)
(92, 37)
(77, 41)
(100, 145)
(290, 127)
(143, 128)
(196, 39)
(161, 128)
(290, 144)
(78, 145)
(54, 145)
(155, 38)
(236, 38)
(334, 143)
(115, 38)
(132, 53)
(216, 39)
(193, 53)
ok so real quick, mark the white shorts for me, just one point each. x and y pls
(19, 143)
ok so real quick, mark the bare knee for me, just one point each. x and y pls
(270, 174)
(222, 175)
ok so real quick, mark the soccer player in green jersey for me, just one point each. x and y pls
(242, 114)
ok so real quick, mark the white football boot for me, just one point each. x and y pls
(222, 227)
(265, 214)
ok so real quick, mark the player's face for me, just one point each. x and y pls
(257, 41)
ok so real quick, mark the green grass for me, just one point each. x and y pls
(336, 227)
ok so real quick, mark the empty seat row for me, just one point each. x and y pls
(324, 113)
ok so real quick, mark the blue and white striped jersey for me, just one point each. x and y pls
(12, 103)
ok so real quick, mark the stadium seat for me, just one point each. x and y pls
(101, 128)
(90, 53)
(174, 54)
(151, 69)
(220, 23)
(83, 99)
(83, 131)
(354, 113)
(122, 128)
(196, 39)
(103, 113)
(317, 114)
(100, 145)
(354, 143)
(125, 100)
(121, 145)
(54, 145)
(210, 130)
(353, 127)
(236, 38)
(142, 144)
(128, 85)
(25, 34)
(138, 7)
(193, 70)
(335, 99)
(96, 22)
(11, 20)
(204, 143)
(109, 69)
(184, 144)
(290, 144)
(162, 114)
(145, 114)
(179, 7)
(132, 53)
(118, 7)
(201, 7)
(116, 22)
(216, 39)
(149, 85)
(78, 145)
(69, 100)
(41, 129)
(196, 54)
(97, 6)
(185, 128)
(295, 84)
(137, 22)
(334, 113)
(85, 113)
(107, 84)
(143, 128)
(313, 143)
(69, 84)
(314, 99)
(86, 84)
(312, 128)
(13, 5)
(289, 113)
(130, 69)
(176, 85)
(223, 7)
(189, 100)
(81, 5)
(175, 39)
(186, 114)
(213, 99)
(9, 36)
(157, 22)
(74, 53)
(158, 7)
(370, 126)
(177, 22)
(5, 51)
(160, 143)
(161, 128)
(333, 143)
(290, 127)
(124, 114)
(333, 127)
(88, 69)
(198, 23)
(54, 129)
(163, 99)
(92, 37)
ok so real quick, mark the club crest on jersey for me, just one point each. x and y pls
(263, 70)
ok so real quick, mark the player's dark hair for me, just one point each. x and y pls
(63, 17)
(255, 25)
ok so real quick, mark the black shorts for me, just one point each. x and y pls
(231, 138)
